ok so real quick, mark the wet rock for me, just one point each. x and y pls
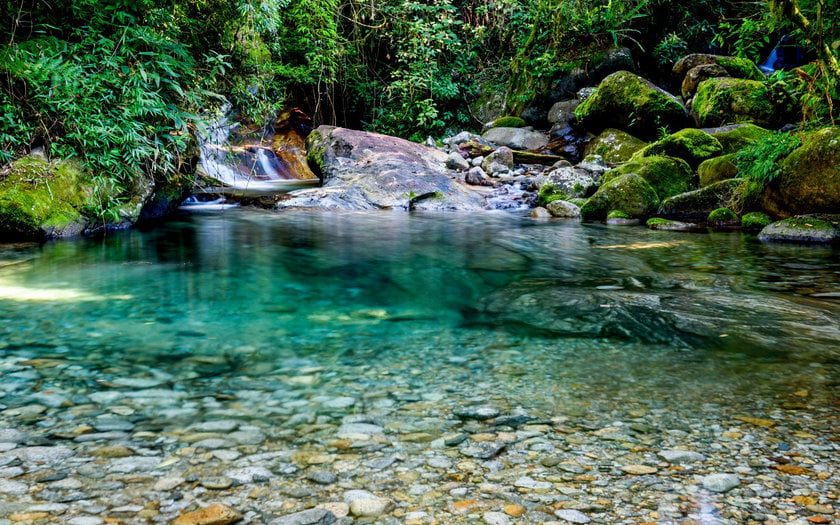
(483, 450)
(676, 456)
(306, 517)
(217, 514)
(52, 455)
(496, 518)
(477, 413)
(322, 477)
(456, 161)
(516, 138)
(572, 516)
(541, 213)
(801, 230)
(698, 204)
(720, 482)
(13, 487)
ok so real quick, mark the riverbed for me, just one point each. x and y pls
(438, 368)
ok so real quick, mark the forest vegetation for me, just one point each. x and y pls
(121, 84)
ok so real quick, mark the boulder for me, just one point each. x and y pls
(516, 138)
(562, 113)
(563, 209)
(755, 221)
(568, 181)
(723, 218)
(668, 176)
(809, 178)
(734, 66)
(629, 193)
(658, 223)
(614, 146)
(690, 144)
(362, 170)
(631, 103)
(717, 169)
(502, 157)
(506, 122)
(699, 74)
(736, 137)
(804, 229)
(698, 204)
(726, 100)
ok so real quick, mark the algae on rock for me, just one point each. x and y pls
(667, 175)
(690, 144)
(629, 193)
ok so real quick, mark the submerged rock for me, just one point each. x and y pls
(362, 170)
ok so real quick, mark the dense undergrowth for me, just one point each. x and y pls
(120, 84)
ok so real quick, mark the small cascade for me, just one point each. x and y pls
(785, 55)
(256, 160)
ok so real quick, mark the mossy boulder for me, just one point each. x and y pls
(736, 67)
(809, 178)
(39, 200)
(698, 204)
(722, 101)
(629, 193)
(801, 230)
(614, 146)
(666, 175)
(699, 74)
(755, 221)
(723, 218)
(717, 169)
(738, 136)
(549, 193)
(628, 102)
(507, 122)
(563, 209)
(690, 144)
(658, 223)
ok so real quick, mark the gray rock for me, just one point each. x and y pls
(10, 435)
(222, 425)
(562, 113)
(496, 518)
(720, 482)
(531, 483)
(478, 413)
(696, 205)
(369, 507)
(503, 157)
(476, 177)
(482, 450)
(358, 430)
(571, 181)
(681, 456)
(8, 486)
(516, 138)
(572, 516)
(564, 209)
(246, 475)
(322, 477)
(456, 161)
(42, 454)
(306, 517)
(541, 213)
(804, 230)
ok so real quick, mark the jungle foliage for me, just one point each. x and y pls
(120, 84)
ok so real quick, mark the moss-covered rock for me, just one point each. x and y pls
(738, 136)
(614, 146)
(628, 102)
(800, 230)
(722, 101)
(39, 200)
(696, 205)
(755, 221)
(549, 193)
(563, 209)
(809, 178)
(629, 193)
(736, 67)
(507, 122)
(658, 223)
(690, 144)
(667, 175)
(723, 218)
(717, 169)
(699, 74)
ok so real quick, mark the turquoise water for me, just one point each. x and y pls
(550, 316)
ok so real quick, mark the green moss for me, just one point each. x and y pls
(808, 179)
(508, 122)
(618, 214)
(549, 193)
(725, 100)
(690, 144)
(614, 146)
(755, 221)
(577, 201)
(723, 217)
(630, 193)
(39, 200)
(626, 101)
(741, 67)
(739, 137)
(717, 169)
(667, 175)
(658, 221)
(696, 205)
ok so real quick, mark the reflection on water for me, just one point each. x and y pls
(539, 311)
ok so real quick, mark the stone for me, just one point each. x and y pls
(629, 193)
(218, 514)
(365, 171)
(245, 475)
(478, 413)
(369, 507)
(614, 146)
(658, 223)
(117, 451)
(562, 113)
(477, 177)
(572, 516)
(677, 456)
(40, 454)
(483, 450)
(805, 230)
(516, 138)
(691, 145)
(725, 100)
(8, 486)
(322, 477)
(628, 102)
(532, 484)
(541, 213)
(720, 482)
(456, 161)
(168, 483)
(723, 218)
(696, 205)
(515, 511)
(496, 518)
(736, 137)
(639, 470)
(564, 209)
(734, 66)
(698, 74)
(717, 169)
(502, 157)
(307, 517)
(668, 176)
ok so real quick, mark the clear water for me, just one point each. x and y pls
(559, 318)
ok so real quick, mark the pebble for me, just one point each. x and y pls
(479, 413)
(306, 517)
(681, 456)
(720, 482)
(572, 516)
(483, 450)
(218, 514)
(13, 487)
(496, 518)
